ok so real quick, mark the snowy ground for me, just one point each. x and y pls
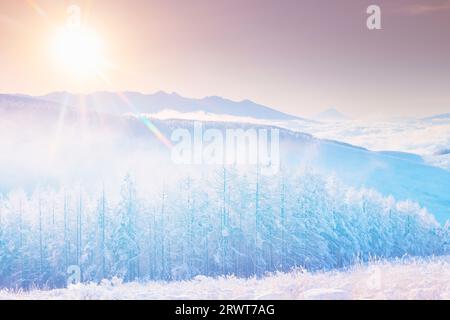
(409, 279)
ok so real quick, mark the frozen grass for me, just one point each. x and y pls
(406, 279)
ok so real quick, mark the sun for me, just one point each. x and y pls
(79, 51)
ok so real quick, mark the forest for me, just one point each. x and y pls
(221, 221)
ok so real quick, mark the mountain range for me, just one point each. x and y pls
(134, 102)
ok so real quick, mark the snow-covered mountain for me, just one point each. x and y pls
(134, 102)
(17, 102)
(331, 115)
(114, 144)
(68, 175)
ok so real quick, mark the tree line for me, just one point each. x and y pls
(224, 221)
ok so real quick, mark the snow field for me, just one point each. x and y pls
(401, 279)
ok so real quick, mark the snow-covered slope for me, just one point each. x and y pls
(24, 131)
(410, 279)
(428, 137)
(319, 211)
(17, 103)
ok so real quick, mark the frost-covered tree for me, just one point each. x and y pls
(124, 244)
(227, 220)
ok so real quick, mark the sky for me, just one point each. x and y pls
(297, 56)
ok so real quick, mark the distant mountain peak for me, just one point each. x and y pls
(331, 114)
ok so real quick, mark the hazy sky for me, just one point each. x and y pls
(299, 56)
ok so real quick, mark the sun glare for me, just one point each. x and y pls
(79, 51)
